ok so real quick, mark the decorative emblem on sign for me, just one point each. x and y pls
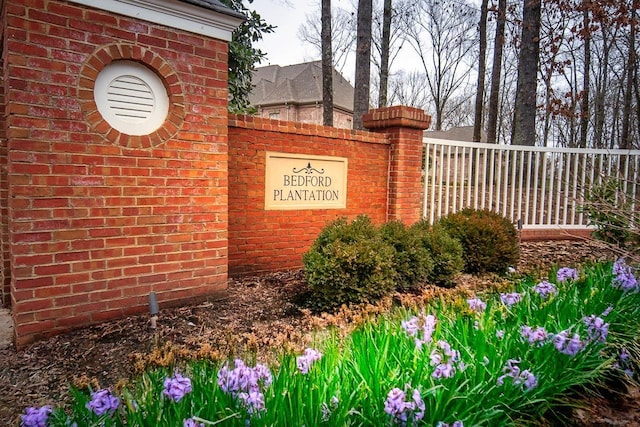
(308, 170)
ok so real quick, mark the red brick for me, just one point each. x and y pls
(72, 279)
(26, 333)
(55, 269)
(104, 315)
(73, 321)
(33, 305)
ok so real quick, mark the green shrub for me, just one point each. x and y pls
(445, 251)
(349, 263)
(489, 240)
(611, 210)
(411, 260)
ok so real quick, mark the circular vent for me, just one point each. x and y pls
(131, 98)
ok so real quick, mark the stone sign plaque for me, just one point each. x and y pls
(295, 181)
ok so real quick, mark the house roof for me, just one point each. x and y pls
(298, 84)
(461, 133)
(216, 6)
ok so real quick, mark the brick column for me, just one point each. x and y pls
(4, 231)
(404, 127)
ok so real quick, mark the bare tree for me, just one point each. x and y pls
(482, 29)
(327, 65)
(343, 27)
(496, 71)
(553, 34)
(363, 62)
(460, 110)
(384, 54)
(626, 135)
(389, 53)
(524, 121)
(407, 88)
(443, 34)
(586, 74)
(603, 52)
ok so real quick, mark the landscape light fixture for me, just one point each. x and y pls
(153, 309)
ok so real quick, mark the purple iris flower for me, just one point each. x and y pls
(35, 417)
(421, 328)
(402, 410)
(190, 422)
(305, 361)
(510, 299)
(597, 329)
(103, 402)
(564, 344)
(243, 378)
(244, 383)
(252, 400)
(624, 362)
(545, 289)
(534, 336)
(519, 377)
(477, 305)
(567, 273)
(176, 387)
(444, 359)
(624, 278)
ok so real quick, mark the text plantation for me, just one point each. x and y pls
(305, 195)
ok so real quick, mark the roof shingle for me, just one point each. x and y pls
(298, 84)
(216, 6)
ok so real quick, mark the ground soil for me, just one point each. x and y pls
(258, 314)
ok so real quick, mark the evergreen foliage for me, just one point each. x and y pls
(349, 262)
(489, 240)
(243, 56)
(445, 251)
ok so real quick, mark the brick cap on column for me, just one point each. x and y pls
(396, 116)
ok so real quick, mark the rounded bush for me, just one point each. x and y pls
(489, 240)
(411, 260)
(445, 251)
(348, 263)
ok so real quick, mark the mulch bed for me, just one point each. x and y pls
(257, 314)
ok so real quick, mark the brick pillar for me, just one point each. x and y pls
(4, 231)
(404, 127)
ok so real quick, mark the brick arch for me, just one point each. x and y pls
(104, 56)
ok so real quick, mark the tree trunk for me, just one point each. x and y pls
(600, 95)
(584, 106)
(327, 65)
(496, 70)
(384, 54)
(636, 86)
(626, 136)
(547, 103)
(477, 121)
(524, 121)
(363, 62)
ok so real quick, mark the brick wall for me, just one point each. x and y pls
(307, 114)
(4, 230)
(96, 219)
(267, 240)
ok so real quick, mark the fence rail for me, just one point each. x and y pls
(539, 187)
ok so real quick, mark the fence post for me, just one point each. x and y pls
(404, 127)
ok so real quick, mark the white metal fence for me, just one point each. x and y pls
(540, 187)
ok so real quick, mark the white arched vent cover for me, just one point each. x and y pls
(131, 98)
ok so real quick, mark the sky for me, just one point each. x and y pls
(283, 46)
